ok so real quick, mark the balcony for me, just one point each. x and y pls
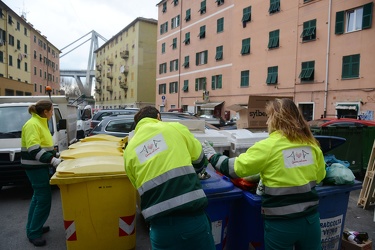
(99, 67)
(109, 61)
(109, 88)
(98, 79)
(98, 90)
(124, 85)
(109, 75)
(124, 54)
(124, 69)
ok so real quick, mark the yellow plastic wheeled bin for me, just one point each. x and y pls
(97, 143)
(92, 150)
(98, 202)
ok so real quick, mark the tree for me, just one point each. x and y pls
(71, 88)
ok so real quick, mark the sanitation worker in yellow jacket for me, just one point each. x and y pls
(162, 160)
(291, 164)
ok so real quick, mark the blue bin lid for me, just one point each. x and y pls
(216, 183)
(252, 199)
(337, 189)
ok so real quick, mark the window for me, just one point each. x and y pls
(246, 17)
(350, 66)
(11, 40)
(163, 48)
(164, 7)
(201, 58)
(35, 42)
(10, 60)
(187, 38)
(202, 10)
(18, 44)
(220, 25)
(174, 43)
(34, 71)
(353, 20)
(1, 56)
(162, 88)
(173, 87)
(185, 88)
(18, 26)
(219, 2)
(245, 78)
(163, 28)
(25, 48)
(309, 29)
(202, 32)
(188, 15)
(307, 71)
(274, 6)
(175, 22)
(219, 53)
(200, 83)
(186, 62)
(26, 66)
(245, 46)
(34, 54)
(173, 65)
(163, 68)
(18, 63)
(175, 2)
(272, 75)
(216, 82)
(273, 41)
(25, 31)
(10, 20)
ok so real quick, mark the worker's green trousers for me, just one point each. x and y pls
(182, 233)
(300, 233)
(40, 204)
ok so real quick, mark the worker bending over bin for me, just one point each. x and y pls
(162, 161)
(291, 164)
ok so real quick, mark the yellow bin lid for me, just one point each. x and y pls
(89, 168)
(104, 137)
(97, 144)
(90, 151)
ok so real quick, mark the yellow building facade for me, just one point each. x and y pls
(126, 67)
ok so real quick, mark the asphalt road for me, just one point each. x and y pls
(14, 203)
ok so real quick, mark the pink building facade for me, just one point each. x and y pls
(214, 54)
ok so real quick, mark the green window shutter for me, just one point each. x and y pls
(197, 59)
(220, 82)
(205, 56)
(213, 82)
(204, 83)
(339, 26)
(220, 25)
(367, 16)
(246, 17)
(196, 84)
(355, 65)
(187, 18)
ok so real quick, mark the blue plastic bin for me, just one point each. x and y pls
(245, 230)
(221, 194)
(333, 203)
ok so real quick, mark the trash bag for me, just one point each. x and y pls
(330, 159)
(338, 174)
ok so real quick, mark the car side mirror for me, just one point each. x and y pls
(61, 125)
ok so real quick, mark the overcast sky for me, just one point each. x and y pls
(65, 21)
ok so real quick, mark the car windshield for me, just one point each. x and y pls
(12, 121)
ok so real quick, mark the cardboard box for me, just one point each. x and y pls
(346, 245)
(254, 116)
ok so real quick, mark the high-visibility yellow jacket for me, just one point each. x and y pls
(162, 160)
(289, 172)
(36, 143)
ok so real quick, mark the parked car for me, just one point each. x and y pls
(216, 121)
(116, 125)
(100, 114)
(340, 122)
(121, 125)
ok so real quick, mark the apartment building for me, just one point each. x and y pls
(213, 54)
(28, 61)
(126, 67)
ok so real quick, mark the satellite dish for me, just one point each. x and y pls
(122, 69)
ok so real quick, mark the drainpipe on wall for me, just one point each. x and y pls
(327, 59)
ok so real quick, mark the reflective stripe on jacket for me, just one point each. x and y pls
(36, 143)
(289, 172)
(162, 161)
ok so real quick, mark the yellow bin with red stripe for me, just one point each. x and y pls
(98, 202)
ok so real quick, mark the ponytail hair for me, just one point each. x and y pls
(40, 106)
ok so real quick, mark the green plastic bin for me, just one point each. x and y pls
(357, 148)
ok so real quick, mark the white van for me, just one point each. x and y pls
(13, 115)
